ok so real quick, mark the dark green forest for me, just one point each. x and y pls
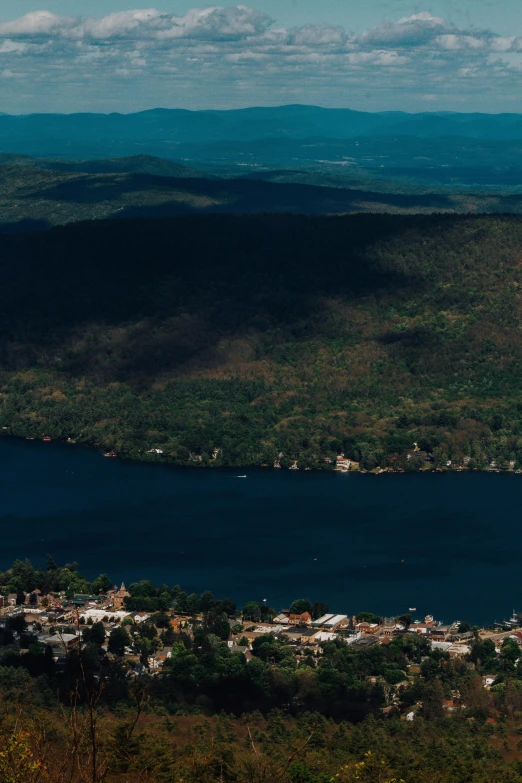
(266, 334)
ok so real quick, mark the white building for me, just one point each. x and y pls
(331, 622)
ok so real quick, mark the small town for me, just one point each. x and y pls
(64, 623)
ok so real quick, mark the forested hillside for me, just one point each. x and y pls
(267, 334)
(141, 739)
(36, 194)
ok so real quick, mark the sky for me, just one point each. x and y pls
(372, 55)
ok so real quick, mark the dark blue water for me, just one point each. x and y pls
(448, 544)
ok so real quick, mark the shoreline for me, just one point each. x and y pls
(169, 461)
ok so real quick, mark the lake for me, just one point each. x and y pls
(447, 544)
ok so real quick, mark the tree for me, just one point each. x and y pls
(368, 617)
(206, 599)
(180, 601)
(95, 634)
(102, 584)
(432, 702)
(319, 609)
(252, 611)
(146, 647)
(17, 763)
(168, 636)
(483, 653)
(51, 565)
(217, 623)
(25, 575)
(17, 623)
(164, 601)
(143, 589)
(272, 650)
(430, 669)
(372, 769)
(193, 607)
(119, 639)
(147, 630)
(300, 606)
(509, 653)
(6, 637)
(161, 620)
(228, 606)
(414, 646)
(404, 619)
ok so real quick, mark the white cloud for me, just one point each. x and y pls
(224, 54)
(218, 24)
(9, 47)
(117, 25)
(317, 35)
(425, 16)
(8, 74)
(36, 23)
(410, 31)
(457, 42)
(213, 23)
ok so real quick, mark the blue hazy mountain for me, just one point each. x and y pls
(25, 133)
(450, 149)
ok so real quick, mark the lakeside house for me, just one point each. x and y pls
(342, 462)
(305, 618)
(367, 628)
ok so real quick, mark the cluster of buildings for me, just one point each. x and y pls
(302, 630)
(345, 464)
(58, 622)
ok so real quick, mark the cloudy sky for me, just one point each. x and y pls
(105, 55)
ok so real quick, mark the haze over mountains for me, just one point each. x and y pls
(294, 121)
(464, 150)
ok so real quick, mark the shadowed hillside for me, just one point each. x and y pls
(268, 334)
(36, 194)
(134, 164)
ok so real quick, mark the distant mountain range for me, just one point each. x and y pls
(36, 194)
(455, 150)
(296, 122)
